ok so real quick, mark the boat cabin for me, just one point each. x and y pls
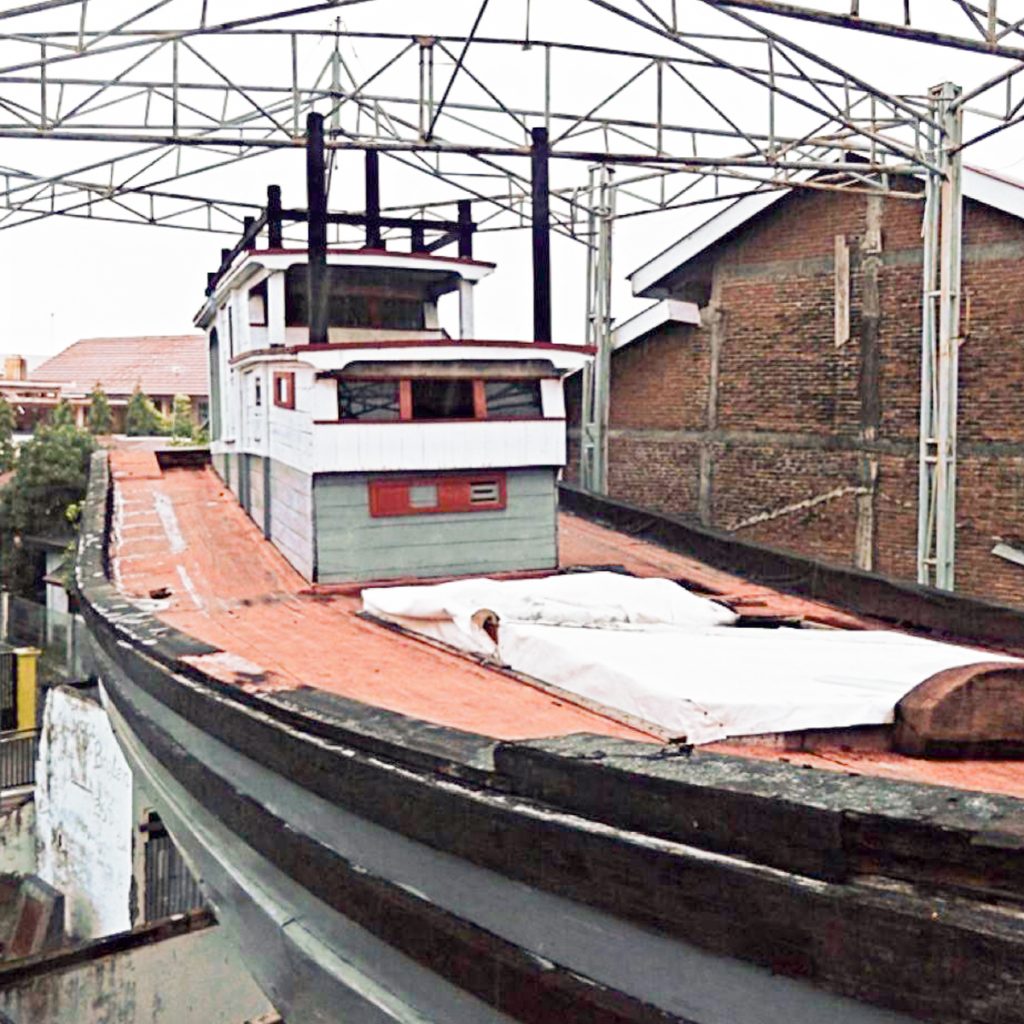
(368, 443)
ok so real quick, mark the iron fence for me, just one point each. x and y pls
(170, 887)
(18, 753)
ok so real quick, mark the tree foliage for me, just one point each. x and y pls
(8, 423)
(100, 419)
(42, 498)
(141, 418)
(181, 417)
(62, 415)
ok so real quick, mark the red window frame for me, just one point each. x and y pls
(405, 404)
(391, 496)
(284, 390)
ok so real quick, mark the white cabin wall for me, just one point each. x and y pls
(552, 398)
(483, 444)
(275, 308)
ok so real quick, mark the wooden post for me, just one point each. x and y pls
(274, 217)
(418, 241)
(466, 228)
(373, 238)
(248, 235)
(541, 236)
(316, 193)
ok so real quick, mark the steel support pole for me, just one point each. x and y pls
(597, 374)
(940, 347)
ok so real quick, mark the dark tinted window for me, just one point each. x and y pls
(368, 400)
(442, 400)
(514, 399)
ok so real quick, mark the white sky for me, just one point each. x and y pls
(64, 279)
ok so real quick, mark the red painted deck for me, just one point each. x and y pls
(182, 531)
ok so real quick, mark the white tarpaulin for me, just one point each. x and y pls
(650, 648)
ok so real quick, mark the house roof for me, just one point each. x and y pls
(158, 364)
(983, 186)
(649, 320)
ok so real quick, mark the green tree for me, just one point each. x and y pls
(100, 419)
(181, 417)
(62, 415)
(141, 418)
(7, 425)
(49, 480)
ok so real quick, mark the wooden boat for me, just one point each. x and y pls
(394, 830)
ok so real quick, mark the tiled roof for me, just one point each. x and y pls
(159, 365)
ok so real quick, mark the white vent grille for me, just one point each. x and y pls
(484, 492)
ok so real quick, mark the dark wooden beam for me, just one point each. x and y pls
(274, 238)
(373, 236)
(316, 189)
(541, 236)
(466, 229)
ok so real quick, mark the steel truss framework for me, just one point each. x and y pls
(650, 105)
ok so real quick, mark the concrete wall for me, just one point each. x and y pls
(758, 423)
(84, 814)
(194, 978)
(353, 545)
(18, 839)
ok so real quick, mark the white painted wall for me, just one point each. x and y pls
(84, 814)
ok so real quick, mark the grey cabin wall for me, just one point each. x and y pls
(352, 545)
(287, 519)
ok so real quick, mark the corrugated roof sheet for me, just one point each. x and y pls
(158, 364)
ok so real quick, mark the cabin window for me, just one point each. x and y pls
(513, 399)
(257, 392)
(373, 400)
(258, 305)
(284, 390)
(478, 493)
(442, 400)
(357, 298)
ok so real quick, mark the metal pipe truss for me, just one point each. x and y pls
(141, 115)
(940, 346)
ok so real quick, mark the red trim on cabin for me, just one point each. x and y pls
(342, 346)
(479, 400)
(284, 390)
(406, 422)
(404, 403)
(391, 497)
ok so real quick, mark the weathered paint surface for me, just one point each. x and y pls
(18, 839)
(195, 978)
(84, 815)
(352, 545)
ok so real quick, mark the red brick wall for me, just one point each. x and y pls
(791, 406)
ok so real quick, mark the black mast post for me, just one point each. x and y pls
(465, 207)
(541, 236)
(316, 198)
(274, 240)
(373, 238)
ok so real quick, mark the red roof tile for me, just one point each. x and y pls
(158, 364)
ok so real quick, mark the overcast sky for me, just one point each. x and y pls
(65, 279)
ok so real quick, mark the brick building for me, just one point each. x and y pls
(762, 420)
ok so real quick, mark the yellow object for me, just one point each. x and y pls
(27, 676)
